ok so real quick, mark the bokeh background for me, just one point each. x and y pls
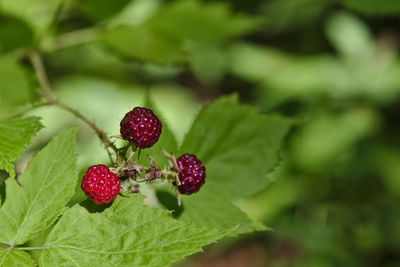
(331, 65)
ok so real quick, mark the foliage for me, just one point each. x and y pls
(228, 79)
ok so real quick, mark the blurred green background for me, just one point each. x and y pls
(333, 65)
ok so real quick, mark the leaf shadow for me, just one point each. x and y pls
(91, 207)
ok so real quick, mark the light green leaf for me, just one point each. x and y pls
(126, 234)
(15, 134)
(48, 183)
(14, 83)
(349, 35)
(38, 13)
(238, 147)
(343, 130)
(16, 258)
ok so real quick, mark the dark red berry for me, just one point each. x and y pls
(100, 184)
(192, 174)
(141, 127)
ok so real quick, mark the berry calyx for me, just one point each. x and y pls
(100, 184)
(192, 174)
(141, 127)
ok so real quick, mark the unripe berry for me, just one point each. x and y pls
(141, 127)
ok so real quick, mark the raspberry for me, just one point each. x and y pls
(192, 174)
(100, 184)
(141, 127)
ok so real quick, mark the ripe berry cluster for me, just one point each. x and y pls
(142, 129)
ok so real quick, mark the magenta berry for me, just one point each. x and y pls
(192, 174)
(100, 184)
(141, 127)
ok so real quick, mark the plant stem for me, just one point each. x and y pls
(101, 134)
(41, 75)
(44, 82)
(73, 38)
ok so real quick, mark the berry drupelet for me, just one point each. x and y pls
(141, 127)
(100, 184)
(192, 174)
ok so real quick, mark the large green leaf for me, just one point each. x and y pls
(238, 147)
(15, 134)
(144, 44)
(48, 183)
(163, 37)
(202, 22)
(210, 210)
(16, 258)
(126, 234)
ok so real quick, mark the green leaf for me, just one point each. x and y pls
(208, 63)
(14, 257)
(349, 35)
(14, 83)
(128, 233)
(15, 134)
(98, 10)
(163, 37)
(342, 129)
(202, 22)
(238, 147)
(292, 14)
(14, 33)
(374, 7)
(38, 13)
(48, 183)
(144, 44)
(220, 213)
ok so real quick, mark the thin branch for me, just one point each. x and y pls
(101, 134)
(44, 82)
(73, 38)
(41, 75)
